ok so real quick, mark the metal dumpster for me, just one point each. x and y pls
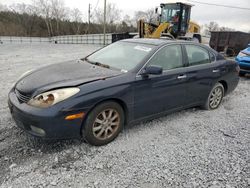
(121, 36)
(229, 42)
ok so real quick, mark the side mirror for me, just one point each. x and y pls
(248, 45)
(152, 69)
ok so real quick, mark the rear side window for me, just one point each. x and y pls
(197, 55)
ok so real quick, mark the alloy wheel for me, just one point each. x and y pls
(106, 124)
(216, 97)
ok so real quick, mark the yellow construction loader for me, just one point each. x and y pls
(172, 22)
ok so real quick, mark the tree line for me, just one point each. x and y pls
(52, 18)
(214, 26)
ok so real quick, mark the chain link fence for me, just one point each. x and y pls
(82, 39)
(65, 39)
(12, 39)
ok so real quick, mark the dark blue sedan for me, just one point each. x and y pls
(123, 83)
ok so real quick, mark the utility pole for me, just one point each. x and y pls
(89, 18)
(104, 24)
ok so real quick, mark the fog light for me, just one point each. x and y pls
(38, 130)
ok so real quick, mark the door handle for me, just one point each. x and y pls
(216, 70)
(182, 76)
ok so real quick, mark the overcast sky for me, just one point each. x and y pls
(233, 18)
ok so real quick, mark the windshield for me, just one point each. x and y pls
(120, 55)
(170, 13)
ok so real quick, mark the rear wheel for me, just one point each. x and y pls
(103, 124)
(215, 97)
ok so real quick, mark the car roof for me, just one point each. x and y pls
(162, 42)
(157, 42)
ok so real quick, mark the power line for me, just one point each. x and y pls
(219, 5)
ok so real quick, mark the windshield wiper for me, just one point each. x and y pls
(104, 65)
(97, 63)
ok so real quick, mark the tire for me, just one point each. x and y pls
(103, 123)
(215, 97)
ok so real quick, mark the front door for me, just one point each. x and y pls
(158, 93)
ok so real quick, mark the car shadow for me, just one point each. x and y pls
(245, 77)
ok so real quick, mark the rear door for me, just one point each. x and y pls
(159, 93)
(202, 72)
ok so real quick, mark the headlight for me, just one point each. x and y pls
(241, 54)
(50, 98)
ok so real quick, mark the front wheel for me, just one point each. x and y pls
(215, 97)
(103, 124)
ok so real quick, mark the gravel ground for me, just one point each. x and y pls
(191, 148)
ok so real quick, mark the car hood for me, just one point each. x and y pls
(60, 75)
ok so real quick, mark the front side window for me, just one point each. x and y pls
(169, 57)
(197, 55)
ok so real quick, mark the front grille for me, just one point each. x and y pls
(23, 98)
